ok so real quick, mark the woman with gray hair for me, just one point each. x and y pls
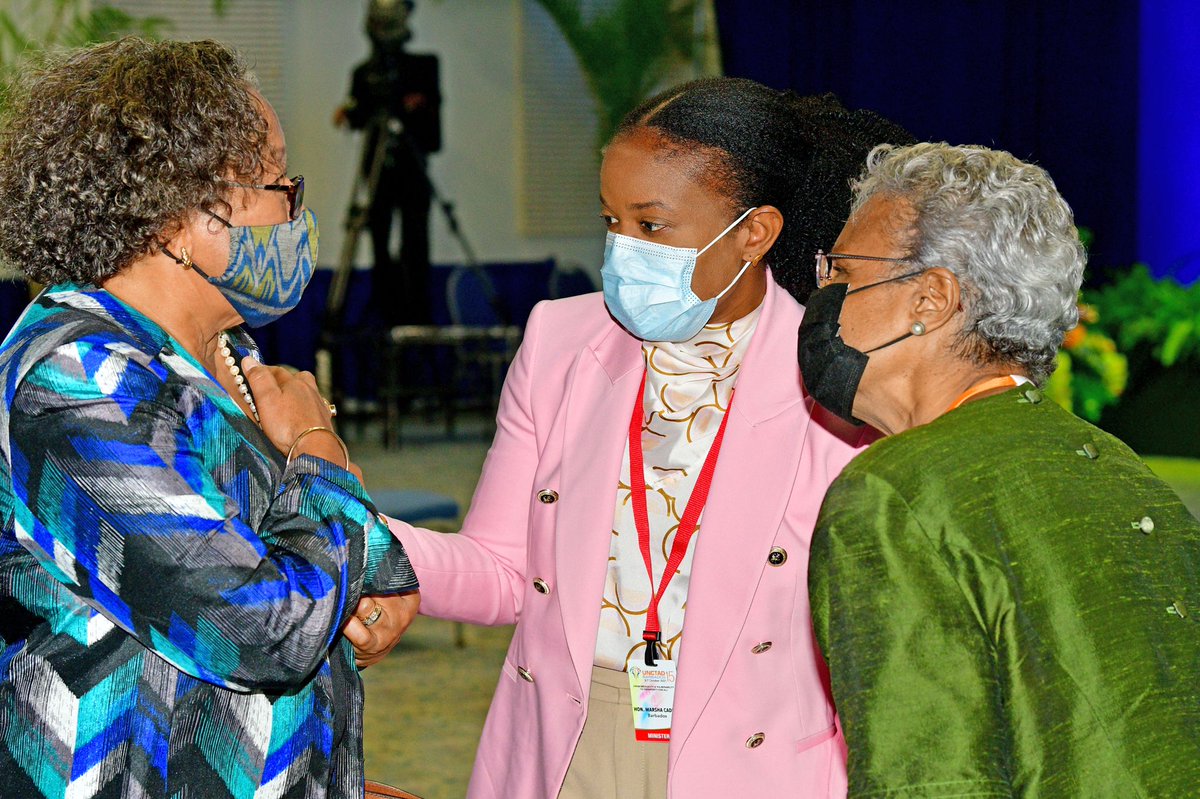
(1006, 597)
(184, 542)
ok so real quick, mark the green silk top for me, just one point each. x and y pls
(1009, 603)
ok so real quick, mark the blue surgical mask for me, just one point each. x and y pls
(648, 286)
(269, 268)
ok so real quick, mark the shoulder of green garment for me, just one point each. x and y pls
(1015, 424)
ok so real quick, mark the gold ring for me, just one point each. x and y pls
(332, 410)
(374, 617)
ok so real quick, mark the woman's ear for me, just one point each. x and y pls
(179, 241)
(763, 227)
(937, 298)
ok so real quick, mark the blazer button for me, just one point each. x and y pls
(758, 649)
(525, 675)
(755, 740)
(541, 586)
(777, 556)
(546, 496)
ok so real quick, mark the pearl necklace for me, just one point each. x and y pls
(238, 377)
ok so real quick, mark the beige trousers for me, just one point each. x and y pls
(609, 762)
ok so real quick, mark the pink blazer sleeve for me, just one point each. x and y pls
(476, 576)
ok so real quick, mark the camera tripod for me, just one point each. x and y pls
(386, 133)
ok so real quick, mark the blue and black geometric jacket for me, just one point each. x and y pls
(171, 596)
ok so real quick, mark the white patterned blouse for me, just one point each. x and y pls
(688, 386)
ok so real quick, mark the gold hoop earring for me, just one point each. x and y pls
(185, 260)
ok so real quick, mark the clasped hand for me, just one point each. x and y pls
(372, 643)
(288, 404)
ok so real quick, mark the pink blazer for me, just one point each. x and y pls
(534, 545)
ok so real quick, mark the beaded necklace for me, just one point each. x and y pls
(238, 377)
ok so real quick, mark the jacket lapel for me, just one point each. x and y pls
(751, 489)
(600, 401)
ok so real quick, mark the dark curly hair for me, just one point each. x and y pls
(759, 146)
(106, 149)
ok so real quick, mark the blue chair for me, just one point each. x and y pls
(460, 360)
(482, 316)
(420, 507)
(570, 281)
(519, 285)
(467, 296)
(415, 507)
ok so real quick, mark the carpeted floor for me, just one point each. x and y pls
(425, 707)
(427, 701)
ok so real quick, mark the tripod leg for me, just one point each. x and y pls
(356, 219)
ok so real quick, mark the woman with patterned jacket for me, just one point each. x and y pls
(184, 541)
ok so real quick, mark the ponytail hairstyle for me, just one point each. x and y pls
(758, 146)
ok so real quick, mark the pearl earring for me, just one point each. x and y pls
(918, 329)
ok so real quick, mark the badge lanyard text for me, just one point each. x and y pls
(652, 687)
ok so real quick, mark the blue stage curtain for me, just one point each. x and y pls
(294, 339)
(1169, 140)
(1055, 82)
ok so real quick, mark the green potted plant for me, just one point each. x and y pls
(1091, 373)
(1155, 322)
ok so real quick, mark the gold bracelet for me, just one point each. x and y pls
(303, 433)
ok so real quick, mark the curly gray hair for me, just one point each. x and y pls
(1002, 228)
(107, 149)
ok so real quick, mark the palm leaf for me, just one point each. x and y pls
(624, 49)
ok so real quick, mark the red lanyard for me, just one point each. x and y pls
(687, 524)
(987, 385)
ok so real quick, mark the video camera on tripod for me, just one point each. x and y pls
(395, 100)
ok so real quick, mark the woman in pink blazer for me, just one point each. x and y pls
(694, 352)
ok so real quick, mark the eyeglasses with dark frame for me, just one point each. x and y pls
(824, 265)
(294, 189)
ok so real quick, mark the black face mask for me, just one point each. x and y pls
(831, 368)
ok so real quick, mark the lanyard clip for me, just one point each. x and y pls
(651, 639)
